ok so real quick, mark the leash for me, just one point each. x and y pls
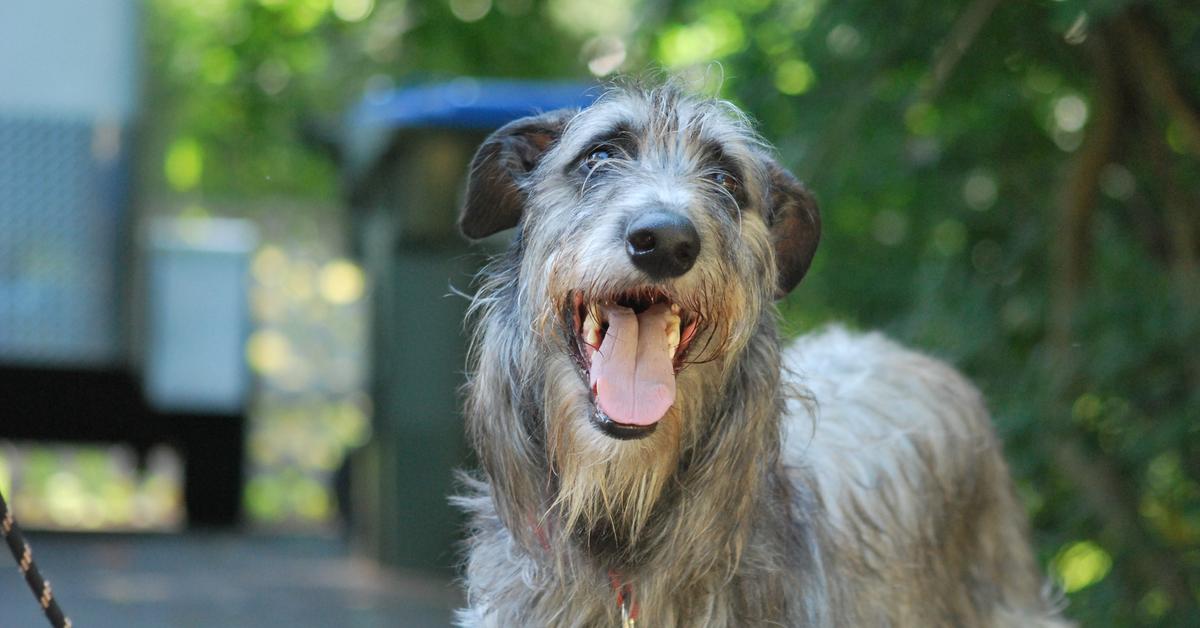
(24, 557)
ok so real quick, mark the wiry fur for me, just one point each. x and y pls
(877, 497)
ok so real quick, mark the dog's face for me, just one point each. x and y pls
(654, 234)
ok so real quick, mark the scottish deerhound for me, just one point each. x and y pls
(651, 454)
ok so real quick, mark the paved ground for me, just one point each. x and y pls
(219, 580)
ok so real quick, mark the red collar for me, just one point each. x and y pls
(626, 601)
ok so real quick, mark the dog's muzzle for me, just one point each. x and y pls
(630, 348)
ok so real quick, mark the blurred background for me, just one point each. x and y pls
(228, 350)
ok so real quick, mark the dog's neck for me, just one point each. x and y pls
(727, 500)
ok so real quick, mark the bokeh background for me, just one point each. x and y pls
(1014, 187)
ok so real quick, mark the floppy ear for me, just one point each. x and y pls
(495, 185)
(795, 224)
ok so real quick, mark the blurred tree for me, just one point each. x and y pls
(246, 94)
(1013, 186)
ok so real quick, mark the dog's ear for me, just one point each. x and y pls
(795, 224)
(495, 185)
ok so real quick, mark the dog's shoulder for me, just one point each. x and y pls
(849, 373)
(900, 451)
(876, 418)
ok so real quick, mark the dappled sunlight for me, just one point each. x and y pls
(92, 487)
(1081, 565)
(307, 351)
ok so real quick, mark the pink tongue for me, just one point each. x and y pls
(632, 372)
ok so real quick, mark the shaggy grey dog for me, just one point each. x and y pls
(652, 455)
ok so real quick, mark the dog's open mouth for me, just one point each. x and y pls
(630, 347)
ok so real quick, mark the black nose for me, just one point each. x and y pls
(662, 244)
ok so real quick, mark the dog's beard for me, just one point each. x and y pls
(602, 482)
(608, 486)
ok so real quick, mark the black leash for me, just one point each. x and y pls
(24, 557)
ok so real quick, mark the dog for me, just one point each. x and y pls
(651, 454)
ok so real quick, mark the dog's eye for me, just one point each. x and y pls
(725, 180)
(595, 158)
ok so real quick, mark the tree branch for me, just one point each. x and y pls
(1107, 494)
(1158, 82)
(962, 34)
(1078, 199)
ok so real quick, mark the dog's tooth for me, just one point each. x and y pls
(672, 334)
(675, 309)
(591, 330)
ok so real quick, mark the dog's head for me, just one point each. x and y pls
(654, 233)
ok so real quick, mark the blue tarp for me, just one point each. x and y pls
(464, 103)
(468, 103)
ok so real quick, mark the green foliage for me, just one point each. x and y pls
(946, 182)
(244, 92)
